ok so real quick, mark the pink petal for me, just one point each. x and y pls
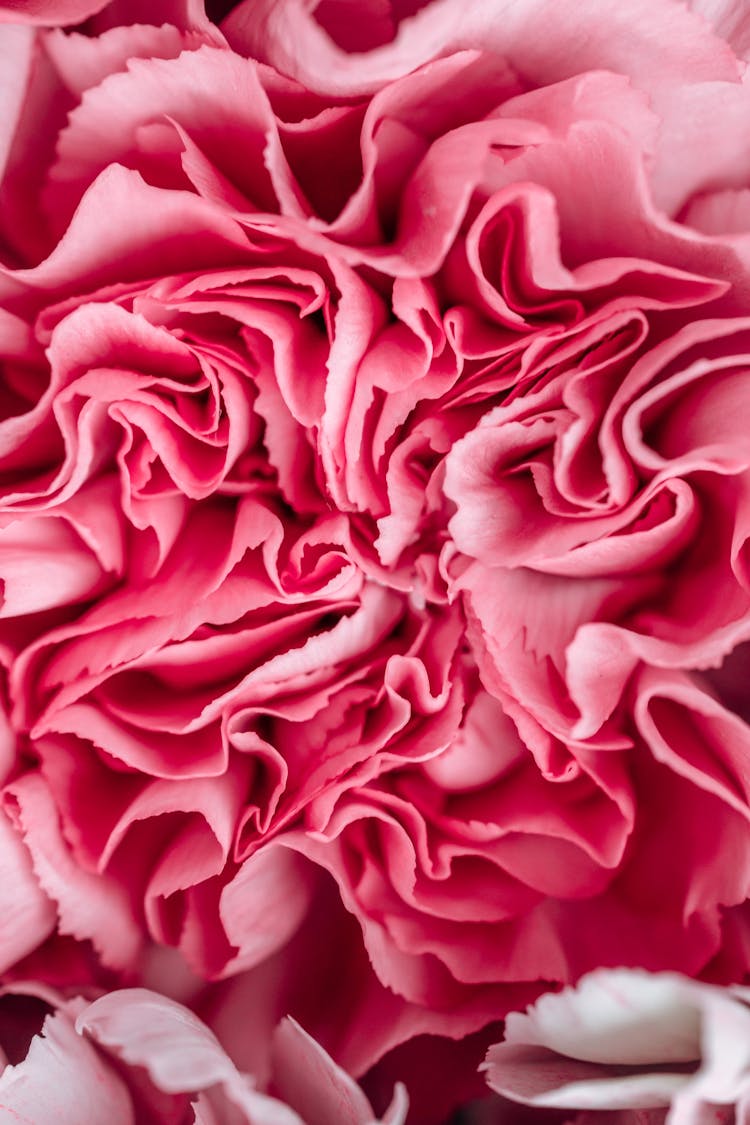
(145, 1029)
(83, 62)
(121, 219)
(27, 915)
(88, 905)
(610, 1042)
(625, 39)
(309, 1080)
(179, 1052)
(730, 19)
(44, 564)
(264, 904)
(215, 96)
(64, 1079)
(16, 53)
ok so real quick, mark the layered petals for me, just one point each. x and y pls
(374, 522)
(624, 1040)
(134, 1055)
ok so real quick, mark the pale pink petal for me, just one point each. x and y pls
(145, 1029)
(602, 1020)
(188, 15)
(624, 39)
(27, 915)
(264, 904)
(179, 1052)
(398, 1109)
(623, 1039)
(88, 905)
(16, 54)
(730, 19)
(83, 62)
(679, 173)
(308, 1079)
(64, 1079)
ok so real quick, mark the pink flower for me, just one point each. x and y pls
(651, 1048)
(374, 498)
(133, 1055)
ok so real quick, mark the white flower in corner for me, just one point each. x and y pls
(626, 1041)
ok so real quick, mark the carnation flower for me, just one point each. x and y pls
(374, 499)
(133, 1055)
(629, 1047)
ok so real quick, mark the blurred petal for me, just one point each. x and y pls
(63, 1079)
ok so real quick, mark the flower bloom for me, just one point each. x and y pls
(374, 497)
(647, 1048)
(135, 1056)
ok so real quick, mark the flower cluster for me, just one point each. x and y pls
(374, 511)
